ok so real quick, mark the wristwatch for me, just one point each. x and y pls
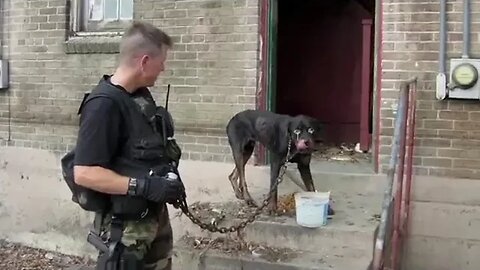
(132, 187)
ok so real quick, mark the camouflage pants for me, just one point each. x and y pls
(150, 239)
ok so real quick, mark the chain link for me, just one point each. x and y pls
(212, 227)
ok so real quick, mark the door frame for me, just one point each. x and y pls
(266, 90)
(366, 86)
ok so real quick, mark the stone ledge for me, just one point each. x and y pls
(186, 257)
(101, 44)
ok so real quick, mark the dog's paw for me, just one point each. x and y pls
(272, 210)
(251, 203)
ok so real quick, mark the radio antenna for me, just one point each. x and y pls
(168, 94)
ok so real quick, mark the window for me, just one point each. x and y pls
(103, 15)
(96, 25)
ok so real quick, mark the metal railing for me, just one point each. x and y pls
(392, 230)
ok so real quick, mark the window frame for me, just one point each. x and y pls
(80, 26)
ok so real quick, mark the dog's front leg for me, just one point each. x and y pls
(303, 165)
(274, 172)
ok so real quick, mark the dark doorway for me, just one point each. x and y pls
(320, 56)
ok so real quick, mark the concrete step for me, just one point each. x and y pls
(441, 253)
(352, 226)
(187, 257)
(445, 220)
(338, 234)
(360, 166)
(345, 181)
(446, 190)
(346, 242)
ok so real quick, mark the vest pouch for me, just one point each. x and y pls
(124, 206)
(89, 200)
(149, 148)
(173, 150)
(147, 154)
(128, 207)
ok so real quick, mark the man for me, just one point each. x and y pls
(123, 155)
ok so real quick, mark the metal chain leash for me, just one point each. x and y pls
(212, 227)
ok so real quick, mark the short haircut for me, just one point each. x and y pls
(144, 38)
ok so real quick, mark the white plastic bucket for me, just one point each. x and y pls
(312, 208)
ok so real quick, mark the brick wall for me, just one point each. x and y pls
(213, 73)
(448, 131)
(212, 70)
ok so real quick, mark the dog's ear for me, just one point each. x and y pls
(319, 128)
(292, 124)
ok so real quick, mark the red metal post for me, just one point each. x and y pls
(379, 68)
(404, 120)
(399, 184)
(410, 152)
(365, 91)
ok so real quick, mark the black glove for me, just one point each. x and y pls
(160, 189)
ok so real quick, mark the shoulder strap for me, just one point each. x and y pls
(82, 104)
(108, 91)
(167, 121)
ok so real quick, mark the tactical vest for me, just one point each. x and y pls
(150, 146)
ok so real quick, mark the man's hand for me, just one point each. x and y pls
(160, 189)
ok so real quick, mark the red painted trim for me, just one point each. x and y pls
(379, 87)
(365, 90)
(410, 153)
(261, 95)
(397, 236)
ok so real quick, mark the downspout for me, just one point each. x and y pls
(441, 77)
(4, 64)
(2, 7)
(466, 29)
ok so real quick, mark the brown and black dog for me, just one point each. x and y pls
(274, 131)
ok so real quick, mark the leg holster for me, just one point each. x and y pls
(113, 253)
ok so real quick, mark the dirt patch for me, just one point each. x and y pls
(286, 205)
(349, 153)
(232, 213)
(238, 247)
(15, 257)
(220, 212)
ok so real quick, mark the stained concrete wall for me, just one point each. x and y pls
(36, 209)
(445, 221)
(35, 205)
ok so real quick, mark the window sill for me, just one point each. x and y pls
(93, 43)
